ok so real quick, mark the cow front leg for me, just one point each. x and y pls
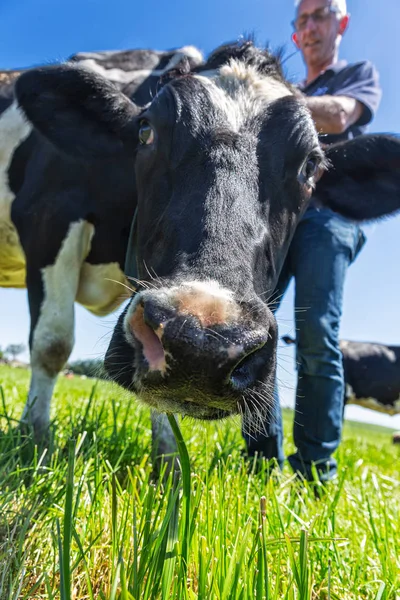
(52, 290)
(164, 447)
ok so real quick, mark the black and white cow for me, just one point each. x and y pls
(371, 374)
(221, 166)
(64, 222)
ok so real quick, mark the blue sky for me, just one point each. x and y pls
(42, 31)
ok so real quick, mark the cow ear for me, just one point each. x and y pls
(363, 181)
(80, 112)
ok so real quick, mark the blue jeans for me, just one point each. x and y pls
(323, 247)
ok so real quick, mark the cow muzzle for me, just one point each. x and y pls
(196, 348)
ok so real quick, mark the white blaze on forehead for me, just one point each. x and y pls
(242, 92)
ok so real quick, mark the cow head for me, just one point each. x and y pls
(225, 166)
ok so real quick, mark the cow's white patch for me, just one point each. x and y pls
(374, 404)
(60, 282)
(37, 408)
(241, 92)
(389, 354)
(359, 350)
(53, 336)
(119, 75)
(208, 301)
(209, 286)
(234, 351)
(14, 128)
(102, 288)
(137, 75)
(208, 73)
(185, 51)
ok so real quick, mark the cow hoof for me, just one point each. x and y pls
(163, 466)
(36, 442)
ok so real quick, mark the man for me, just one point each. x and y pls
(342, 99)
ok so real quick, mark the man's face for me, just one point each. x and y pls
(317, 29)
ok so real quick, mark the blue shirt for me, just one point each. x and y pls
(359, 81)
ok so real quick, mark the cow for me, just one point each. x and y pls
(396, 437)
(371, 375)
(219, 167)
(64, 223)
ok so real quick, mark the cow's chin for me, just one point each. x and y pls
(163, 391)
(190, 406)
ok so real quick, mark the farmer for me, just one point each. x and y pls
(343, 99)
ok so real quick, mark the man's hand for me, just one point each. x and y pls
(333, 114)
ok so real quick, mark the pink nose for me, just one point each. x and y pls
(150, 339)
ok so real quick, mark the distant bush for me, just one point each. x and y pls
(14, 349)
(90, 368)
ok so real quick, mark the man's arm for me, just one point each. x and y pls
(334, 114)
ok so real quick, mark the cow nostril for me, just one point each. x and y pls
(150, 338)
(245, 372)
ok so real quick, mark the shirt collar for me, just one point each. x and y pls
(336, 67)
(333, 68)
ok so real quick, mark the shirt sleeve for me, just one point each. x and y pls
(361, 82)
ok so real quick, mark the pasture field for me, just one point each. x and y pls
(89, 522)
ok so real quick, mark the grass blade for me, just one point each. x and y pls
(185, 467)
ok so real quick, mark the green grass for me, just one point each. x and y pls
(89, 522)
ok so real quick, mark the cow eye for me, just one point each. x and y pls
(309, 170)
(146, 134)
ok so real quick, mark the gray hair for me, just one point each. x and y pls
(340, 5)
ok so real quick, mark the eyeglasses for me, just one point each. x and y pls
(318, 16)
